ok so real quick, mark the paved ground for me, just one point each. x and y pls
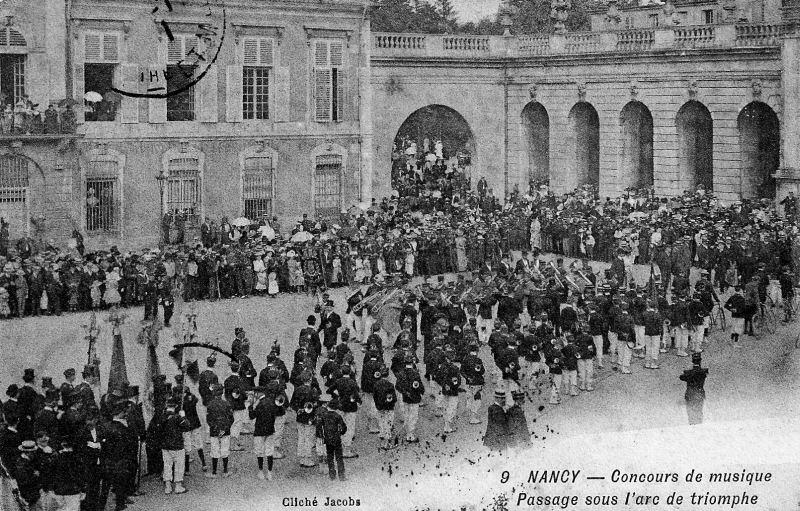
(632, 420)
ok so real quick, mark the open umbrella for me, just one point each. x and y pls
(240, 222)
(93, 97)
(301, 237)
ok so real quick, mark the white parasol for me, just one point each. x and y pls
(267, 232)
(301, 237)
(93, 97)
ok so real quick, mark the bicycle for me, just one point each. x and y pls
(765, 320)
(718, 317)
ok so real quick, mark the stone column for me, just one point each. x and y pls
(788, 176)
(365, 114)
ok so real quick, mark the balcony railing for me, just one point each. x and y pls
(577, 43)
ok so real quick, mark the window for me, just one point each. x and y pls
(328, 185)
(12, 79)
(181, 68)
(708, 16)
(101, 60)
(102, 196)
(653, 20)
(257, 187)
(183, 191)
(14, 193)
(258, 61)
(328, 81)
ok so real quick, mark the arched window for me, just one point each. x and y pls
(183, 193)
(329, 164)
(258, 182)
(104, 191)
(15, 194)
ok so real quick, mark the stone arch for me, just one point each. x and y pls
(759, 146)
(636, 149)
(328, 171)
(103, 170)
(436, 122)
(584, 144)
(695, 145)
(536, 130)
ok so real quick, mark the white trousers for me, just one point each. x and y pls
(305, 440)
(638, 331)
(220, 446)
(598, 348)
(624, 354)
(385, 423)
(68, 502)
(411, 418)
(555, 387)
(586, 372)
(681, 338)
(528, 372)
(239, 419)
(570, 379)
(485, 327)
(651, 345)
(173, 460)
(613, 348)
(450, 410)
(473, 405)
(350, 422)
(280, 425)
(264, 446)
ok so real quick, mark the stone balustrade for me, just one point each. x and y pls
(577, 43)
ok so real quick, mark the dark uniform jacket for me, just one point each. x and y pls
(170, 428)
(384, 395)
(450, 380)
(67, 472)
(301, 396)
(330, 427)
(207, 378)
(349, 396)
(473, 370)
(234, 392)
(695, 379)
(219, 416)
(119, 447)
(264, 413)
(410, 385)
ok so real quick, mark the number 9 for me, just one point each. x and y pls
(504, 476)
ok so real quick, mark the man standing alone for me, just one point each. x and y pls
(695, 395)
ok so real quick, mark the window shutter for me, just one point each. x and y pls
(130, 82)
(282, 94)
(250, 52)
(233, 93)
(321, 54)
(208, 95)
(322, 94)
(342, 107)
(336, 54)
(110, 47)
(175, 51)
(92, 48)
(78, 92)
(265, 52)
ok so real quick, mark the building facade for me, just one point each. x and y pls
(253, 108)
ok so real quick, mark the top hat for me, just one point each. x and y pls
(28, 376)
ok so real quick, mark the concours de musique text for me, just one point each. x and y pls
(703, 495)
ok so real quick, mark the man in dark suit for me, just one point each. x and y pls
(330, 428)
(118, 456)
(28, 400)
(695, 395)
(330, 324)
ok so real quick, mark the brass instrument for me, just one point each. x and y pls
(369, 300)
(309, 407)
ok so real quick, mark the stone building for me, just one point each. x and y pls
(269, 109)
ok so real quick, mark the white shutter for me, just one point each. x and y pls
(266, 52)
(320, 54)
(322, 95)
(282, 94)
(110, 47)
(130, 82)
(175, 51)
(233, 93)
(92, 48)
(78, 92)
(250, 47)
(208, 95)
(336, 54)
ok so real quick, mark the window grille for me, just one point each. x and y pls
(183, 193)
(102, 196)
(14, 199)
(328, 185)
(257, 187)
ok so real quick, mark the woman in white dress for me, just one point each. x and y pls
(261, 273)
(111, 296)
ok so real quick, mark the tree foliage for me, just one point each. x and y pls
(439, 17)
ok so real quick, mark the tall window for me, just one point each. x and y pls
(708, 16)
(102, 196)
(12, 66)
(329, 81)
(258, 61)
(184, 190)
(181, 69)
(101, 62)
(14, 198)
(257, 189)
(328, 185)
(653, 20)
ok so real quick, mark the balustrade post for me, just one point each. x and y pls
(558, 43)
(725, 35)
(608, 41)
(664, 38)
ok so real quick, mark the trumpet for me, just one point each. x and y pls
(309, 407)
(280, 400)
(667, 323)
